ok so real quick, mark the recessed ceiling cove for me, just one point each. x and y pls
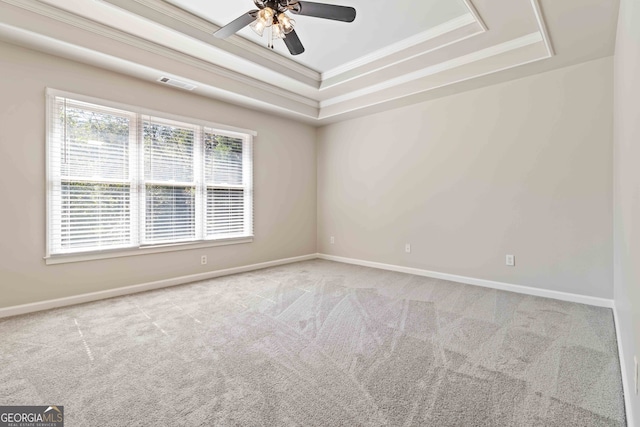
(330, 44)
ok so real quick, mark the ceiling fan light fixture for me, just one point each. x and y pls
(272, 14)
(278, 31)
(266, 15)
(258, 27)
(263, 20)
(286, 23)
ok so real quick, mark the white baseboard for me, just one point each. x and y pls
(110, 293)
(563, 296)
(626, 387)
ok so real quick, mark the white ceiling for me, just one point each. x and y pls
(329, 44)
(417, 51)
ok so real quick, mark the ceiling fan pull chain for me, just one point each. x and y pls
(272, 36)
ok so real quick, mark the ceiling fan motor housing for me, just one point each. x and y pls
(276, 5)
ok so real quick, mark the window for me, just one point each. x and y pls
(120, 179)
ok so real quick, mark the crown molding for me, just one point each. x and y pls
(407, 43)
(372, 106)
(223, 72)
(438, 68)
(476, 15)
(537, 11)
(457, 36)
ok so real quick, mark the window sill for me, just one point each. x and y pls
(120, 253)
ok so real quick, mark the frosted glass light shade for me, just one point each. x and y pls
(266, 15)
(278, 31)
(258, 26)
(286, 23)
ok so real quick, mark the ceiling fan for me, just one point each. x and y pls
(272, 14)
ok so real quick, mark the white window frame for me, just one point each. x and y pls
(137, 247)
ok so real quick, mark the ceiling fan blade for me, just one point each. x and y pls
(323, 10)
(236, 25)
(293, 43)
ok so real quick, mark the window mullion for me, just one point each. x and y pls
(134, 171)
(198, 174)
(142, 186)
(54, 243)
(247, 183)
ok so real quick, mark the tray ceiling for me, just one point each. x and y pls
(385, 59)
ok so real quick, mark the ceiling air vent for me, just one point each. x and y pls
(176, 83)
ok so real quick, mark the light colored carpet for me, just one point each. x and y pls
(318, 343)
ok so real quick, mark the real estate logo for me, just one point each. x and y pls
(32, 416)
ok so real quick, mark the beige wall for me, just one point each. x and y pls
(285, 182)
(523, 168)
(627, 188)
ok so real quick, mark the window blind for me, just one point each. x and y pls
(169, 177)
(90, 181)
(121, 179)
(227, 190)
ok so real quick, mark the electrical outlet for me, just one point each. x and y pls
(635, 373)
(333, 240)
(511, 260)
(407, 248)
(203, 259)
